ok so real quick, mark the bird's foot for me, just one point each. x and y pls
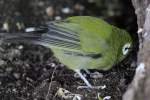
(88, 85)
(87, 71)
(96, 75)
(76, 75)
(92, 87)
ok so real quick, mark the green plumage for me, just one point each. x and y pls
(82, 42)
(90, 36)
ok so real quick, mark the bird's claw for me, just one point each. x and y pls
(96, 75)
(93, 87)
(76, 75)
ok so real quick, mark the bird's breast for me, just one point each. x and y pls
(74, 60)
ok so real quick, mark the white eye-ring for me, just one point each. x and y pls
(126, 48)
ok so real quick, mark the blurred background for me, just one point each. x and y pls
(19, 14)
(26, 70)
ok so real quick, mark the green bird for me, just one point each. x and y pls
(81, 42)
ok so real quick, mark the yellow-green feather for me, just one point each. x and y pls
(96, 36)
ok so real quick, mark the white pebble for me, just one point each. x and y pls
(2, 62)
(148, 9)
(52, 64)
(16, 75)
(57, 18)
(66, 10)
(91, 1)
(103, 87)
(76, 97)
(145, 34)
(20, 47)
(107, 98)
(30, 29)
(6, 26)
(9, 69)
(14, 90)
(140, 68)
(140, 30)
(50, 11)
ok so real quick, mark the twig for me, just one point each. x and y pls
(50, 84)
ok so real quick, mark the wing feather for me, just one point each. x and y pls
(60, 37)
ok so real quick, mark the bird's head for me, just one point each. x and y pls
(126, 46)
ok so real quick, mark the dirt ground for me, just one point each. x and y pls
(31, 72)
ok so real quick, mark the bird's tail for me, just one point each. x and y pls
(31, 35)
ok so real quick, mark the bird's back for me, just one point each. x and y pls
(84, 42)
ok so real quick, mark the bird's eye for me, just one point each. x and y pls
(126, 48)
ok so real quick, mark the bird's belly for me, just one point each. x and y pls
(80, 62)
(73, 62)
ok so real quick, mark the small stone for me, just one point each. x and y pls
(18, 83)
(96, 75)
(2, 62)
(58, 18)
(66, 10)
(30, 29)
(20, 25)
(1, 71)
(14, 90)
(91, 1)
(77, 97)
(29, 79)
(9, 69)
(40, 3)
(107, 98)
(62, 65)
(16, 75)
(79, 7)
(51, 64)
(50, 11)
(44, 69)
(6, 26)
(20, 47)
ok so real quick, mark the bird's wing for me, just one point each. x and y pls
(66, 36)
(61, 37)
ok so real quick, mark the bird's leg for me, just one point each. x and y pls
(94, 75)
(87, 71)
(88, 85)
(76, 75)
(83, 78)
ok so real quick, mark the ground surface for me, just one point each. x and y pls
(26, 70)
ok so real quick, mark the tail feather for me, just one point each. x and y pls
(28, 37)
(46, 36)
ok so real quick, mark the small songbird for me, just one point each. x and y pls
(81, 42)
